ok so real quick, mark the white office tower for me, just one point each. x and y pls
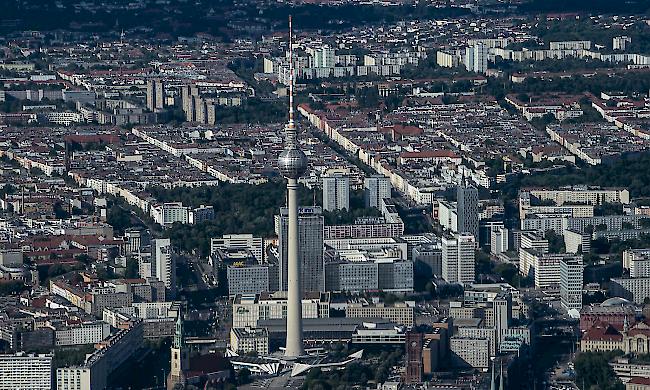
(336, 192)
(476, 58)
(376, 188)
(293, 164)
(155, 95)
(25, 371)
(458, 258)
(164, 263)
(571, 271)
(310, 256)
(467, 209)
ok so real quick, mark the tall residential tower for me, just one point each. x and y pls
(467, 209)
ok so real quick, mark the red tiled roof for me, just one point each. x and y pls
(637, 380)
(603, 332)
(402, 130)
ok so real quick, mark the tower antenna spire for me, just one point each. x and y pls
(291, 75)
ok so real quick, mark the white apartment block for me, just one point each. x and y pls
(246, 340)
(470, 352)
(498, 240)
(476, 58)
(336, 192)
(448, 59)
(86, 333)
(620, 43)
(570, 45)
(544, 222)
(582, 195)
(488, 333)
(167, 214)
(402, 313)
(93, 373)
(637, 261)
(533, 240)
(238, 242)
(367, 228)
(73, 378)
(640, 268)
(544, 267)
(23, 371)
(396, 247)
(448, 215)
(376, 189)
(458, 258)
(632, 289)
(577, 242)
(568, 210)
(490, 42)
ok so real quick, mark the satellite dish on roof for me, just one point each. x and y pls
(573, 313)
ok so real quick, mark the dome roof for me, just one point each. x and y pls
(616, 301)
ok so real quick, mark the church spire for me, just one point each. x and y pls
(492, 382)
(179, 340)
(501, 376)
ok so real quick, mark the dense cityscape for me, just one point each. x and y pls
(325, 194)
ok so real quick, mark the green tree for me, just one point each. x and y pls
(10, 287)
(594, 372)
(131, 268)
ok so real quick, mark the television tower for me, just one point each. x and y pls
(292, 164)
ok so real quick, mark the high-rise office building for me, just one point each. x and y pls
(467, 210)
(502, 310)
(458, 258)
(164, 263)
(310, 235)
(376, 188)
(571, 280)
(336, 192)
(155, 95)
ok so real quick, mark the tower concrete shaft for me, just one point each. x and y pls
(294, 345)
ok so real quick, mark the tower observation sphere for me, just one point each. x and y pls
(292, 163)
